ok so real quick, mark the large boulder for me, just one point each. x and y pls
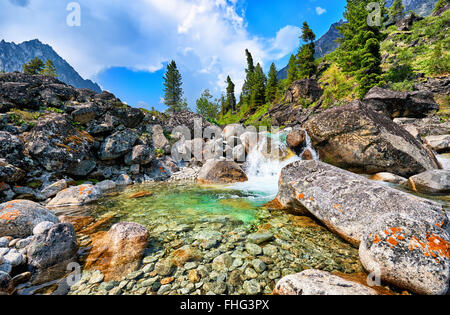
(348, 203)
(53, 246)
(431, 182)
(192, 121)
(317, 282)
(160, 141)
(395, 104)
(305, 89)
(130, 117)
(141, 154)
(118, 144)
(56, 144)
(408, 253)
(119, 251)
(356, 138)
(76, 196)
(18, 218)
(221, 172)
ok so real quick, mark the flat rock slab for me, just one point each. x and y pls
(347, 203)
(317, 282)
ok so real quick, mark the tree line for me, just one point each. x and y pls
(358, 56)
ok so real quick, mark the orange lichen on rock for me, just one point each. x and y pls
(10, 216)
(392, 241)
(434, 246)
(301, 196)
(376, 239)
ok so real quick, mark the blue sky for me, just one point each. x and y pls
(125, 45)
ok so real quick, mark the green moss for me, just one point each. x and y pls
(35, 184)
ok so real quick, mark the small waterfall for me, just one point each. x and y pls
(445, 161)
(263, 171)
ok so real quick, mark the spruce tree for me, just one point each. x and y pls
(49, 69)
(247, 87)
(305, 56)
(173, 92)
(231, 98)
(258, 96)
(33, 67)
(396, 11)
(359, 52)
(292, 72)
(272, 84)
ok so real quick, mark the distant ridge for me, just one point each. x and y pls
(14, 56)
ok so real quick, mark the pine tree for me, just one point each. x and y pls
(258, 96)
(33, 67)
(292, 72)
(247, 87)
(173, 92)
(272, 84)
(305, 56)
(49, 69)
(396, 11)
(359, 52)
(206, 107)
(231, 98)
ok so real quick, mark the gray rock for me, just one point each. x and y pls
(394, 104)
(221, 172)
(160, 141)
(253, 249)
(164, 289)
(356, 138)
(141, 154)
(252, 287)
(6, 267)
(4, 242)
(222, 262)
(42, 227)
(408, 253)
(259, 265)
(348, 203)
(76, 196)
(53, 189)
(5, 283)
(124, 180)
(164, 267)
(431, 182)
(14, 258)
(19, 217)
(259, 238)
(118, 144)
(317, 282)
(55, 245)
(106, 185)
(270, 250)
(440, 144)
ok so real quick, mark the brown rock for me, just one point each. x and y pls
(183, 255)
(78, 222)
(221, 172)
(118, 252)
(140, 194)
(193, 276)
(167, 280)
(98, 225)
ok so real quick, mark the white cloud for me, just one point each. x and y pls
(320, 10)
(207, 38)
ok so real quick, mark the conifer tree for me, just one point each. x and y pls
(231, 98)
(258, 96)
(247, 87)
(359, 52)
(396, 11)
(173, 92)
(292, 72)
(272, 84)
(33, 67)
(49, 69)
(305, 56)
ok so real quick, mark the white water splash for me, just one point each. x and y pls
(444, 160)
(264, 173)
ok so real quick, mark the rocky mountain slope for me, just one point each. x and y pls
(327, 43)
(14, 56)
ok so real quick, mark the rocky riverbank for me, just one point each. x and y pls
(74, 218)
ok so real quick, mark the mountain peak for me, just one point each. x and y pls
(13, 56)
